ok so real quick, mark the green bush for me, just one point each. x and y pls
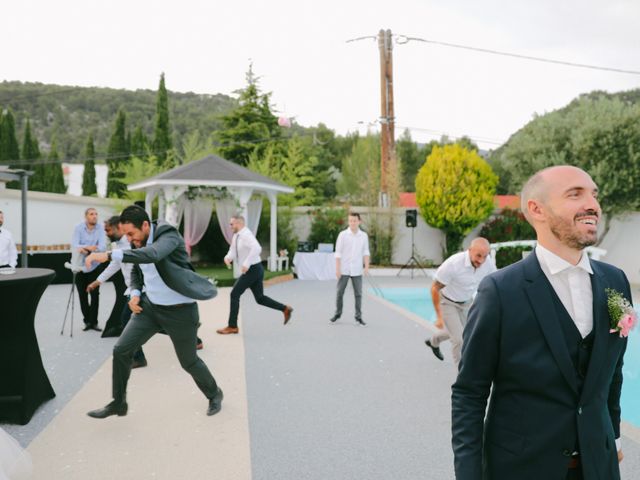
(381, 237)
(508, 226)
(326, 224)
(287, 238)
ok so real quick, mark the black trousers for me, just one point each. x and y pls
(252, 279)
(575, 474)
(181, 324)
(114, 326)
(89, 309)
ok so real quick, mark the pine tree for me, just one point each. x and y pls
(162, 133)
(31, 160)
(117, 155)
(250, 127)
(89, 174)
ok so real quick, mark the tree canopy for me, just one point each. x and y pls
(455, 190)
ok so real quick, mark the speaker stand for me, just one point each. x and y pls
(413, 261)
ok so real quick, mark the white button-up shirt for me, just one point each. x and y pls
(245, 249)
(351, 248)
(115, 265)
(460, 278)
(8, 252)
(572, 284)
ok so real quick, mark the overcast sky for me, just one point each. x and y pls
(299, 49)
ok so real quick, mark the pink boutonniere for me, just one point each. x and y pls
(623, 317)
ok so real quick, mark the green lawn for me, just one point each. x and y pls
(224, 275)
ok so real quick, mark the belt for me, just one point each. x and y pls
(453, 301)
(574, 462)
(174, 307)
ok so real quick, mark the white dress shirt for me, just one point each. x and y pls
(572, 284)
(8, 252)
(351, 248)
(245, 249)
(460, 278)
(115, 265)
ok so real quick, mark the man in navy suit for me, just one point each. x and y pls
(537, 346)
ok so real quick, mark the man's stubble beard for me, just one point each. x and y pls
(567, 235)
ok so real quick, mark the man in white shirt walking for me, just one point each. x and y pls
(8, 252)
(352, 260)
(245, 251)
(456, 282)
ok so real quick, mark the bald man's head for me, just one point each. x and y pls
(561, 203)
(479, 251)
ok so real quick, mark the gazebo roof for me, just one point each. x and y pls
(212, 171)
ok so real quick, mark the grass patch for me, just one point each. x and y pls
(224, 275)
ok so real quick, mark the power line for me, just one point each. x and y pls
(493, 141)
(402, 39)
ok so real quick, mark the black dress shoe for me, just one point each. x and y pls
(113, 408)
(215, 403)
(359, 321)
(436, 350)
(91, 327)
(334, 319)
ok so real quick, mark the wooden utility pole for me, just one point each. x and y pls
(387, 118)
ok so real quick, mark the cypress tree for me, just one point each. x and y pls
(139, 143)
(89, 174)
(162, 135)
(55, 178)
(117, 155)
(31, 160)
(9, 150)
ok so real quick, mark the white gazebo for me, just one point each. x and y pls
(232, 186)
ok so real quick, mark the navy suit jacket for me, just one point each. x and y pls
(514, 352)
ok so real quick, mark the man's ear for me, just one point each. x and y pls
(535, 209)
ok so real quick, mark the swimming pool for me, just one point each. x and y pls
(418, 301)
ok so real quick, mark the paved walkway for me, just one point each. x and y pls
(310, 400)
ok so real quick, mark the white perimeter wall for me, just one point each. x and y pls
(51, 217)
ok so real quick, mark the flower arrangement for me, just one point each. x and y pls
(283, 253)
(623, 317)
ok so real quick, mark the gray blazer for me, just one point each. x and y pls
(170, 257)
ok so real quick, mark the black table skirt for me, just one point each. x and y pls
(24, 384)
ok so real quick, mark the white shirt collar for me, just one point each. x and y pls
(467, 259)
(556, 264)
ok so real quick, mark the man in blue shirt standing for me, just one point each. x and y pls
(89, 237)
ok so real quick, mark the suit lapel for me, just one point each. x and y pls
(539, 291)
(600, 329)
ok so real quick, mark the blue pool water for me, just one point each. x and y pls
(418, 301)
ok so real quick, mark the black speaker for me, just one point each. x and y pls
(411, 218)
(305, 246)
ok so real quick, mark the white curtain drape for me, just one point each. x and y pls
(225, 209)
(197, 214)
(254, 208)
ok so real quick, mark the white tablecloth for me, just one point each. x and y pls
(315, 266)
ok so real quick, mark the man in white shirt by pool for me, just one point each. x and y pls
(456, 282)
(352, 260)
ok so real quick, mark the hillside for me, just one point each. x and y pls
(71, 113)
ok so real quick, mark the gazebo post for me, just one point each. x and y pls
(273, 236)
(148, 201)
(172, 213)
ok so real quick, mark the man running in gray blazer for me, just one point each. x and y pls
(168, 303)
